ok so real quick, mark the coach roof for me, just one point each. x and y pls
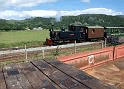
(95, 27)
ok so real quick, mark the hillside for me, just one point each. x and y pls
(94, 19)
(122, 16)
(85, 19)
(27, 23)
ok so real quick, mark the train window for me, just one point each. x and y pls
(93, 30)
(77, 28)
(73, 28)
(82, 29)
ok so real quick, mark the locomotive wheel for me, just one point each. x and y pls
(78, 41)
(71, 41)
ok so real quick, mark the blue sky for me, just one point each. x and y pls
(21, 9)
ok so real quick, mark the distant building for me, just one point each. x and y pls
(27, 29)
(39, 28)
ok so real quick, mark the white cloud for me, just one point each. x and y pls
(40, 13)
(24, 3)
(11, 14)
(101, 11)
(91, 11)
(85, 0)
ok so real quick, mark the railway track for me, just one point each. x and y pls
(11, 54)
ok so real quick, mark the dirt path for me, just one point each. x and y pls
(46, 48)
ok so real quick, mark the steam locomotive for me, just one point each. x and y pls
(76, 32)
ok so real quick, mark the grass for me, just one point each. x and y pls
(20, 38)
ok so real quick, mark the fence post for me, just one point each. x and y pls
(43, 53)
(75, 46)
(57, 50)
(102, 44)
(3, 55)
(105, 42)
(25, 52)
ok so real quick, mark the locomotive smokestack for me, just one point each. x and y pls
(52, 27)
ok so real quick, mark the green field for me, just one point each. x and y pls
(20, 38)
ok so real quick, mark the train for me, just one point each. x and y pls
(78, 33)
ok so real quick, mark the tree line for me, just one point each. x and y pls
(45, 23)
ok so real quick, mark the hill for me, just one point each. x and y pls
(85, 19)
(93, 20)
(27, 23)
(122, 16)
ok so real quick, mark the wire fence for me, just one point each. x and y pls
(48, 53)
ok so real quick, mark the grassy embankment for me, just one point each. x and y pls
(20, 38)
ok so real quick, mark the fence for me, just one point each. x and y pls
(85, 60)
(49, 52)
(118, 52)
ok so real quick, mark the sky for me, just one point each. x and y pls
(22, 9)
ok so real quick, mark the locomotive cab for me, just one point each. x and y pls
(75, 32)
(77, 28)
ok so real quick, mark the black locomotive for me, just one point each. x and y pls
(76, 32)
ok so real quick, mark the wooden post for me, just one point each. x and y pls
(25, 52)
(102, 44)
(43, 53)
(3, 55)
(57, 50)
(105, 42)
(75, 46)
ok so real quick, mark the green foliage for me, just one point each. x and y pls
(94, 19)
(84, 19)
(7, 25)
